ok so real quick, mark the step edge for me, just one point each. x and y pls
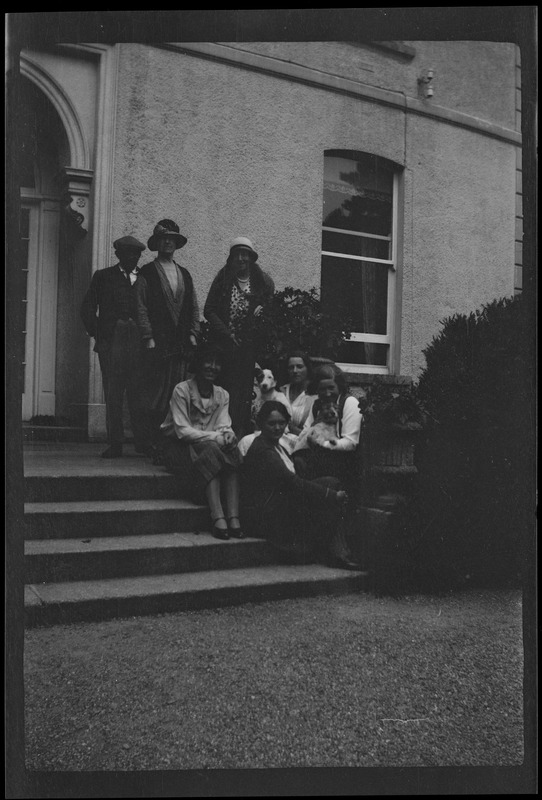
(291, 577)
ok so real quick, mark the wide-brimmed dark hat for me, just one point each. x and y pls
(128, 241)
(166, 227)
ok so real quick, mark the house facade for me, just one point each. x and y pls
(386, 175)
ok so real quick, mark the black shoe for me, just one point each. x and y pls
(235, 533)
(114, 451)
(220, 533)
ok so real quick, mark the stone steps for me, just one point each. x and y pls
(61, 560)
(129, 517)
(61, 603)
(106, 539)
(59, 488)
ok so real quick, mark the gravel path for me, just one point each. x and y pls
(349, 681)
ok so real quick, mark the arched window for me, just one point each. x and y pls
(359, 258)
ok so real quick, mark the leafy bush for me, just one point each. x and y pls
(383, 405)
(470, 518)
(297, 320)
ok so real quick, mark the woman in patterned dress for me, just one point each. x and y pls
(238, 294)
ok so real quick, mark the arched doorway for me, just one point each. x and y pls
(52, 336)
(43, 146)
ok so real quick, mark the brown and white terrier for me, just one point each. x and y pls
(324, 430)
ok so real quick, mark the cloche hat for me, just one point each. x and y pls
(166, 227)
(243, 241)
(128, 241)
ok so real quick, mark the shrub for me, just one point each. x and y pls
(470, 518)
(295, 320)
(383, 405)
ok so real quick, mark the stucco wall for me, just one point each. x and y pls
(458, 229)
(226, 152)
(472, 77)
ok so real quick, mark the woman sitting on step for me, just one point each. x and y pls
(301, 518)
(200, 446)
(341, 457)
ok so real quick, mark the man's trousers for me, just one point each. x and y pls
(121, 372)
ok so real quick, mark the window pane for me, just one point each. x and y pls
(355, 245)
(363, 353)
(358, 194)
(358, 290)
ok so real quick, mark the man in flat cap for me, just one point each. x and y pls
(112, 294)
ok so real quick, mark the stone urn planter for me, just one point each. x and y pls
(393, 421)
(391, 457)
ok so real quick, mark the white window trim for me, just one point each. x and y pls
(359, 258)
(389, 339)
(356, 233)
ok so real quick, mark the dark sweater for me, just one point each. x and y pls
(265, 474)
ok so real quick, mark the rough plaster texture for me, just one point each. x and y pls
(466, 73)
(458, 229)
(226, 152)
(234, 152)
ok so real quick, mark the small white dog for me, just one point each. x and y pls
(324, 430)
(265, 386)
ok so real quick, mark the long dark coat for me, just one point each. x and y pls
(166, 364)
(238, 371)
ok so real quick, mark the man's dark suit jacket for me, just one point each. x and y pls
(114, 297)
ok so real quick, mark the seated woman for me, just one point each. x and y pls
(301, 518)
(313, 460)
(299, 370)
(199, 443)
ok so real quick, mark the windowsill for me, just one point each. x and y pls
(367, 379)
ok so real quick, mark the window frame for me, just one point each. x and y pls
(388, 339)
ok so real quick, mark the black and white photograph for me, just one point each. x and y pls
(271, 402)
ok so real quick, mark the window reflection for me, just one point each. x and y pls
(358, 194)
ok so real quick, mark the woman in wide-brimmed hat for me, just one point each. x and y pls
(238, 294)
(168, 319)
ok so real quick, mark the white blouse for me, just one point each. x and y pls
(350, 427)
(301, 406)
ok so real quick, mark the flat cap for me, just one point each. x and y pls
(128, 241)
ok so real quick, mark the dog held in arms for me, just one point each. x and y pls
(324, 430)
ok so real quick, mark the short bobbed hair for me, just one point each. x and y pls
(304, 358)
(206, 352)
(267, 409)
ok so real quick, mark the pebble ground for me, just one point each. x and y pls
(343, 681)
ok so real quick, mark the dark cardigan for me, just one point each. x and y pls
(217, 307)
(265, 474)
(169, 338)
